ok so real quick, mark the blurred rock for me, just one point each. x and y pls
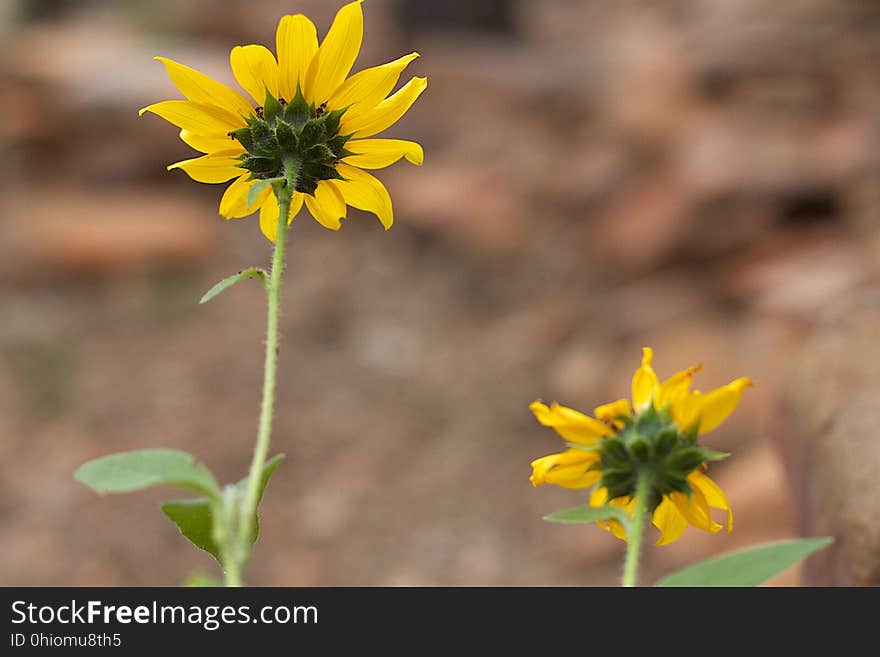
(470, 205)
(798, 273)
(831, 443)
(69, 232)
(642, 226)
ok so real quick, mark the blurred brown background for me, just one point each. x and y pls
(696, 175)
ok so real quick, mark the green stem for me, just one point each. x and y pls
(637, 525)
(248, 508)
(225, 513)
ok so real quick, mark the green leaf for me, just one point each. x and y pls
(268, 470)
(257, 188)
(130, 471)
(253, 272)
(195, 518)
(746, 567)
(585, 515)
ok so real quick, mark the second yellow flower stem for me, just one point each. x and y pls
(637, 525)
(248, 508)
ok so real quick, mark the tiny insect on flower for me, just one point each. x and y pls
(306, 110)
(656, 433)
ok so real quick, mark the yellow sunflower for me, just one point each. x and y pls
(657, 433)
(307, 115)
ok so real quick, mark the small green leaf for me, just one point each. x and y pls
(257, 188)
(585, 515)
(130, 471)
(268, 470)
(253, 272)
(195, 518)
(747, 567)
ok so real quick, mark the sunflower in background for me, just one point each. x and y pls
(307, 116)
(655, 435)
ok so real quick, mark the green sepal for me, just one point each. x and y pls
(684, 460)
(321, 171)
(311, 134)
(641, 450)
(229, 281)
(194, 518)
(260, 166)
(286, 137)
(666, 441)
(712, 455)
(337, 145)
(262, 136)
(614, 450)
(319, 152)
(245, 137)
(297, 111)
(130, 471)
(271, 108)
(690, 435)
(673, 483)
(331, 121)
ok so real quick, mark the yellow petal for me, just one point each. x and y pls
(212, 168)
(334, 59)
(269, 214)
(644, 383)
(366, 89)
(233, 204)
(568, 469)
(669, 520)
(713, 493)
(199, 118)
(676, 387)
(627, 505)
(573, 477)
(296, 42)
(709, 409)
(386, 113)
(199, 88)
(572, 425)
(612, 411)
(209, 144)
(327, 205)
(256, 70)
(380, 153)
(364, 191)
(695, 509)
(599, 496)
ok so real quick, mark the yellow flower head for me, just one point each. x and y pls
(657, 432)
(309, 125)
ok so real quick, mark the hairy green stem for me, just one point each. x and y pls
(637, 525)
(225, 523)
(248, 508)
